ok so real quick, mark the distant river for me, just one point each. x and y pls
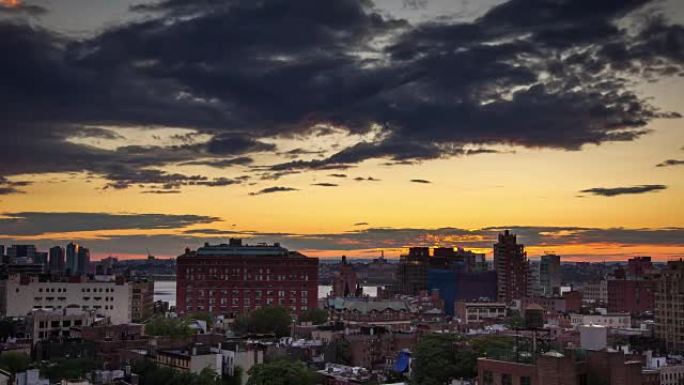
(166, 291)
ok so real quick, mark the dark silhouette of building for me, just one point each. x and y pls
(550, 274)
(638, 267)
(56, 260)
(412, 271)
(83, 266)
(234, 278)
(510, 263)
(633, 296)
(21, 253)
(72, 258)
(345, 283)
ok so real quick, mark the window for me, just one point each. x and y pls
(525, 380)
(506, 379)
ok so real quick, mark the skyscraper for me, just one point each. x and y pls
(72, 258)
(550, 274)
(510, 263)
(21, 253)
(56, 260)
(83, 261)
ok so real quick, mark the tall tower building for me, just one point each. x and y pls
(669, 302)
(550, 274)
(83, 266)
(72, 258)
(510, 263)
(56, 260)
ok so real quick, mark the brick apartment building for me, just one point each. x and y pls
(633, 296)
(572, 368)
(234, 278)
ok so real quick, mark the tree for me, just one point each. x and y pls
(70, 368)
(315, 315)
(14, 362)
(435, 360)
(266, 320)
(280, 372)
(151, 374)
(168, 327)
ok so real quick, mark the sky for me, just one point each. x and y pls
(344, 127)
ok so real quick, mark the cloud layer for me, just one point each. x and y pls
(539, 74)
(615, 191)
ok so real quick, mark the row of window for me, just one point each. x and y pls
(247, 293)
(201, 308)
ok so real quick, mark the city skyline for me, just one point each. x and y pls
(376, 127)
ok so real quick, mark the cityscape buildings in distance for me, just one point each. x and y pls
(237, 302)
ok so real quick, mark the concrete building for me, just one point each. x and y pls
(55, 325)
(550, 274)
(243, 357)
(669, 306)
(478, 312)
(72, 258)
(112, 298)
(613, 320)
(233, 278)
(83, 261)
(510, 263)
(593, 337)
(595, 292)
(671, 374)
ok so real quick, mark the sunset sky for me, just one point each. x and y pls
(344, 126)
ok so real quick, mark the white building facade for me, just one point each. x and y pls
(19, 296)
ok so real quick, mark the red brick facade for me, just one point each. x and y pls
(245, 279)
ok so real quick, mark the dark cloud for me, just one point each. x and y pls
(22, 9)
(534, 73)
(367, 179)
(11, 187)
(420, 181)
(222, 163)
(36, 223)
(324, 184)
(671, 162)
(161, 192)
(275, 189)
(361, 224)
(338, 175)
(615, 191)
(234, 144)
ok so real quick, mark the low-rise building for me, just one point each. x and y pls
(477, 312)
(241, 356)
(192, 360)
(614, 320)
(58, 324)
(392, 314)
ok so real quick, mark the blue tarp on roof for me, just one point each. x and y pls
(401, 364)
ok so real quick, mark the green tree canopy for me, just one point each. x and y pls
(274, 319)
(151, 374)
(14, 362)
(280, 372)
(169, 327)
(315, 315)
(435, 360)
(70, 368)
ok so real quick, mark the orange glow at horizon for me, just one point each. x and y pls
(11, 3)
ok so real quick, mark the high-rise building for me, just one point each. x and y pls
(412, 271)
(56, 260)
(511, 265)
(83, 266)
(234, 278)
(21, 253)
(72, 258)
(631, 295)
(550, 274)
(2, 251)
(669, 305)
